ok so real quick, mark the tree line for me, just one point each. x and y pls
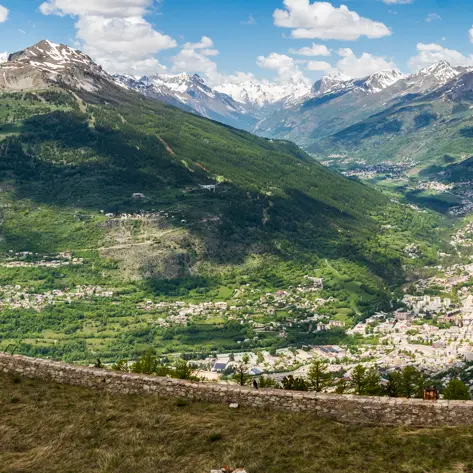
(406, 383)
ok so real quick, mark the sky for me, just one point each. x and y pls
(234, 40)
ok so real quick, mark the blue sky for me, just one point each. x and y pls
(229, 39)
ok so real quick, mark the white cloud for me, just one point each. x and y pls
(432, 17)
(251, 20)
(194, 58)
(147, 67)
(397, 2)
(114, 32)
(191, 60)
(3, 14)
(105, 8)
(428, 54)
(471, 34)
(285, 66)
(345, 52)
(204, 43)
(237, 77)
(314, 50)
(318, 66)
(362, 66)
(323, 20)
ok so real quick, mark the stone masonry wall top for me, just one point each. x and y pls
(343, 408)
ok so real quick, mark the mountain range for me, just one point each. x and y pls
(386, 116)
(376, 118)
(307, 114)
(190, 93)
(48, 63)
(320, 115)
(263, 99)
(241, 105)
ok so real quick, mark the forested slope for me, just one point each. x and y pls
(70, 163)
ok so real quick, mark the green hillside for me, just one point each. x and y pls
(420, 132)
(114, 180)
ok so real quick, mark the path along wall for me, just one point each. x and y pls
(342, 408)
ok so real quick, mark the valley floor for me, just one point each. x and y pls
(49, 428)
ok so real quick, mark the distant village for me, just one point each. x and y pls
(432, 333)
(28, 259)
(17, 297)
(430, 326)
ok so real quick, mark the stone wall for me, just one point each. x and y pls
(342, 408)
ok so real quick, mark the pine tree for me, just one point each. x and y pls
(365, 382)
(318, 377)
(241, 371)
(412, 382)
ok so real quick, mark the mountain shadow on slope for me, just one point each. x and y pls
(274, 196)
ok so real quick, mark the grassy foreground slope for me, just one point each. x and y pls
(70, 163)
(50, 428)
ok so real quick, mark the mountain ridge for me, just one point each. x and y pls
(190, 93)
(266, 108)
(47, 63)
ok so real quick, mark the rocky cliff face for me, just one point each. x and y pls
(46, 64)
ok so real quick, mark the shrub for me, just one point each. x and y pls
(181, 402)
(267, 382)
(295, 384)
(457, 390)
(215, 437)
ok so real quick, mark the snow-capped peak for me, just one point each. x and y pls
(46, 62)
(3, 57)
(53, 56)
(440, 67)
(431, 77)
(260, 94)
(180, 83)
(331, 83)
(337, 77)
(379, 81)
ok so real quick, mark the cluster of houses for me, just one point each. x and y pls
(252, 307)
(164, 214)
(463, 237)
(412, 251)
(465, 208)
(16, 297)
(448, 278)
(423, 305)
(277, 364)
(435, 186)
(463, 190)
(27, 259)
(386, 169)
(434, 333)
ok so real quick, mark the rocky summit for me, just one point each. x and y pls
(46, 64)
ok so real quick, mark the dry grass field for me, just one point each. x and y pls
(50, 428)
